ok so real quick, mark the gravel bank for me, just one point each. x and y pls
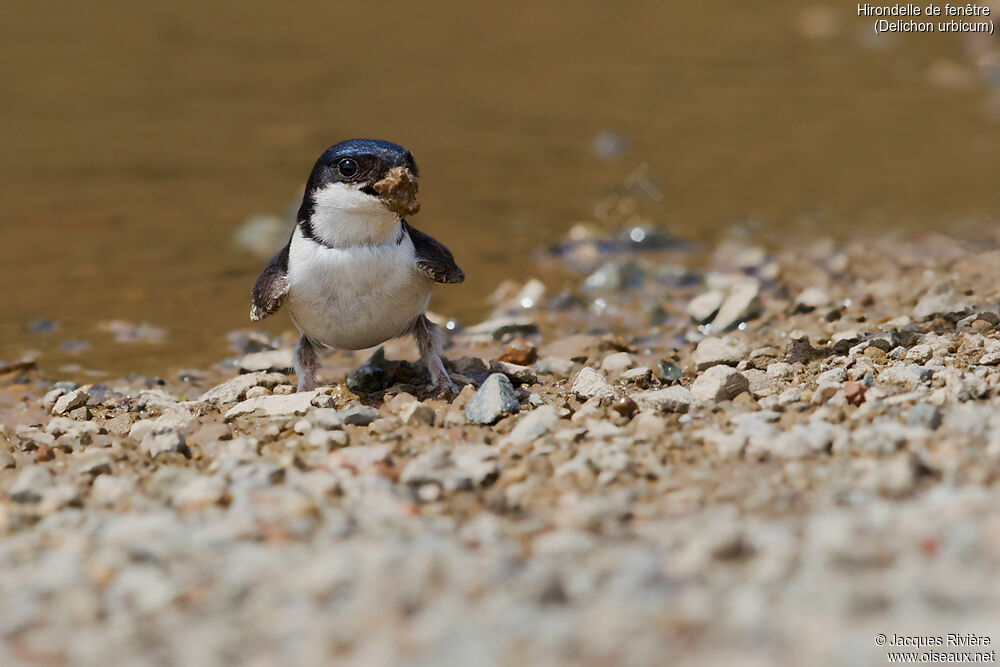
(768, 459)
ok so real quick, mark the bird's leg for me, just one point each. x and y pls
(429, 340)
(306, 362)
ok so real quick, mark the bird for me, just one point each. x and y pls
(354, 273)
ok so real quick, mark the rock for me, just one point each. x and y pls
(842, 341)
(500, 327)
(108, 490)
(274, 406)
(714, 351)
(616, 363)
(494, 399)
(30, 438)
(30, 484)
(521, 353)
(7, 460)
(812, 298)
(360, 458)
(533, 425)
(463, 468)
(271, 361)
(668, 372)
(165, 440)
(417, 413)
(924, 415)
(92, 463)
(740, 305)
(941, 301)
(199, 493)
(719, 383)
(518, 375)
(120, 425)
(359, 415)
(590, 384)
(557, 366)
(671, 399)
(70, 401)
(640, 376)
(705, 306)
(854, 392)
(235, 390)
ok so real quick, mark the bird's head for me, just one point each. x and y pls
(357, 192)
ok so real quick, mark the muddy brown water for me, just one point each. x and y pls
(138, 139)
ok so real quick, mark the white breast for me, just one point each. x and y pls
(357, 297)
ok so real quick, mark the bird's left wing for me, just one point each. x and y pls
(271, 288)
(433, 259)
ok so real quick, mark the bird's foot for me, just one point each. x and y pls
(445, 387)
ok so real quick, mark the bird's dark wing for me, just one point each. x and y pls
(271, 288)
(433, 259)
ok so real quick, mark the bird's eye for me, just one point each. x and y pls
(347, 167)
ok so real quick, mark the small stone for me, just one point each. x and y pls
(589, 384)
(714, 351)
(719, 383)
(518, 375)
(30, 484)
(417, 413)
(120, 425)
(257, 392)
(941, 301)
(359, 415)
(494, 399)
(200, 493)
(272, 361)
(30, 438)
(500, 327)
(360, 458)
(740, 305)
(235, 390)
(705, 306)
(165, 440)
(274, 406)
(521, 353)
(854, 392)
(7, 460)
(843, 341)
(616, 363)
(668, 372)
(812, 298)
(371, 376)
(924, 415)
(534, 425)
(71, 401)
(640, 376)
(92, 463)
(672, 399)
(327, 419)
(556, 366)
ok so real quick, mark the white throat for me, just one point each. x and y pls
(343, 217)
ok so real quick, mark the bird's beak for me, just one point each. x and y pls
(398, 191)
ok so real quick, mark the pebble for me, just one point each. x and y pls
(671, 399)
(811, 299)
(719, 383)
(273, 406)
(30, 484)
(705, 306)
(271, 361)
(517, 374)
(235, 390)
(941, 301)
(358, 415)
(494, 399)
(616, 363)
(70, 401)
(924, 415)
(533, 425)
(165, 440)
(740, 305)
(556, 366)
(590, 384)
(714, 351)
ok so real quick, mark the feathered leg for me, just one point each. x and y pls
(429, 340)
(306, 363)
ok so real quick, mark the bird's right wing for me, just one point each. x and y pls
(434, 260)
(271, 288)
